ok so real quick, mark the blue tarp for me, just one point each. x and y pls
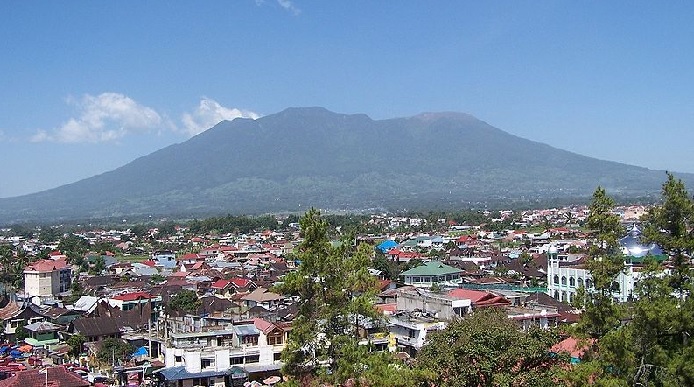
(387, 245)
(142, 351)
(16, 354)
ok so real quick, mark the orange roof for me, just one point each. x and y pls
(132, 296)
(386, 308)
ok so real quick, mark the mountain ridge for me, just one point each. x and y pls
(304, 157)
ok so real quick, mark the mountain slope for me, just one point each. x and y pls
(312, 157)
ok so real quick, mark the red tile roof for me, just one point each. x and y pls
(132, 296)
(383, 284)
(220, 284)
(262, 325)
(240, 282)
(57, 377)
(479, 298)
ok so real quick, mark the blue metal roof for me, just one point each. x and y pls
(180, 373)
(246, 330)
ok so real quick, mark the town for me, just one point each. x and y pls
(189, 305)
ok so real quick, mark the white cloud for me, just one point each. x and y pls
(289, 6)
(209, 113)
(103, 118)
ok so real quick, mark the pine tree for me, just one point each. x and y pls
(605, 263)
(335, 293)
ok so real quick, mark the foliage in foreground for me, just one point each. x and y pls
(487, 348)
(646, 342)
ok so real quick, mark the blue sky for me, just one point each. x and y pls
(87, 86)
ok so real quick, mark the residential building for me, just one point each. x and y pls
(409, 330)
(47, 278)
(207, 355)
(441, 306)
(430, 273)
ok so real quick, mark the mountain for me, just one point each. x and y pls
(304, 157)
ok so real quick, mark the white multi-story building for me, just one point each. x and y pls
(47, 277)
(565, 277)
(205, 358)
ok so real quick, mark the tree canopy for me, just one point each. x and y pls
(487, 348)
(185, 301)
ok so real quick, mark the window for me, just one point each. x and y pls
(572, 281)
(250, 340)
(235, 360)
(556, 280)
(563, 280)
(589, 284)
(580, 282)
(252, 359)
(206, 363)
(277, 356)
(275, 340)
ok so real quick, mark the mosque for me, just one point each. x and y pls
(565, 277)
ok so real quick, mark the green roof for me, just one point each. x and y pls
(660, 258)
(432, 268)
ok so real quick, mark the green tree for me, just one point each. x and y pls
(663, 321)
(605, 263)
(76, 343)
(97, 265)
(487, 348)
(671, 226)
(74, 246)
(185, 301)
(21, 333)
(390, 269)
(13, 265)
(335, 293)
(114, 351)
